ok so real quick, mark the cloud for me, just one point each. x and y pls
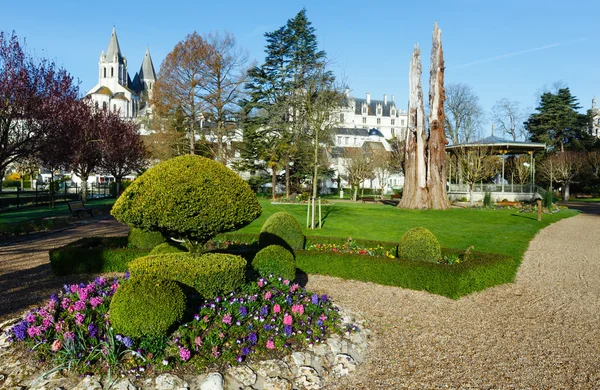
(516, 53)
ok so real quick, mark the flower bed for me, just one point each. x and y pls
(269, 318)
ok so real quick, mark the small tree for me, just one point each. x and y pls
(382, 169)
(562, 167)
(477, 163)
(521, 169)
(358, 168)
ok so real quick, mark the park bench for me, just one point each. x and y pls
(396, 196)
(368, 199)
(510, 204)
(77, 207)
(583, 196)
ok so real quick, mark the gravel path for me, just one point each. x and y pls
(541, 332)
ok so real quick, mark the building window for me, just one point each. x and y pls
(104, 105)
(341, 117)
(378, 111)
(339, 140)
(355, 141)
(364, 120)
(114, 107)
(402, 122)
(104, 72)
(378, 121)
(346, 140)
(364, 110)
(393, 132)
(393, 112)
(393, 122)
(112, 72)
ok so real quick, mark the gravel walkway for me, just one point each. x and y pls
(541, 332)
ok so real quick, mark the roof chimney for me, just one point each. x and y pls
(347, 92)
(368, 98)
(392, 98)
(384, 99)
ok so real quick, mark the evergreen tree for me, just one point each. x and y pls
(558, 123)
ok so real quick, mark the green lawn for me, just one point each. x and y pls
(495, 231)
(32, 212)
(590, 200)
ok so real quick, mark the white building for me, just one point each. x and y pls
(115, 90)
(595, 125)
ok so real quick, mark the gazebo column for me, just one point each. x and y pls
(503, 153)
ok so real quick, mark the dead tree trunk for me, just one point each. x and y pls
(425, 156)
(436, 180)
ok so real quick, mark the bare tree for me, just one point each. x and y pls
(562, 167)
(358, 167)
(477, 163)
(593, 163)
(382, 169)
(464, 114)
(521, 169)
(509, 117)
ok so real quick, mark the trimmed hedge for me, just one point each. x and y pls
(93, 255)
(210, 274)
(481, 271)
(166, 247)
(421, 245)
(275, 260)
(146, 307)
(282, 229)
(141, 239)
(188, 197)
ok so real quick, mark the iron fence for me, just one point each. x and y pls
(42, 194)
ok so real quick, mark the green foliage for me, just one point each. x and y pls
(419, 244)
(481, 271)
(141, 239)
(210, 274)
(282, 229)
(548, 199)
(487, 199)
(188, 197)
(166, 247)
(275, 260)
(93, 255)
(146, 307)
(113, 187)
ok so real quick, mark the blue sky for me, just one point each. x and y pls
(502, 49)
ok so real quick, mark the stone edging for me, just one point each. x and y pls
(311, 369)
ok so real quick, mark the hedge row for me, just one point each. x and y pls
(481, 271)
(93, 255)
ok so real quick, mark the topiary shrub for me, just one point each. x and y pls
(166, 247)
(282, 229)
(419, 244)
(141, 239)
(188, 197)
(275, 260)
(210, 274)
(146, 307)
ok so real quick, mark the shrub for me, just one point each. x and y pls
(210, 274)
(487, 199)
(146, 307)
(141, 239)
(282, 229)
(419, 244)
(166, 247)
(275, 260)
(188, 197)
(548, 199)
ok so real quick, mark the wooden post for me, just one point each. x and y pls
(539, 204)
(320, 220)
(308, 214)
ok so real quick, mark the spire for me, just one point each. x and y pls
(147, 69)
(113, 47)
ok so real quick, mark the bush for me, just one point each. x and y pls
(282, 229)
(93, 255)
(146, 307)
(113, 187)
(166, 247)
(548, 199)
(188, 197)
(419, 244)
(275, 260)
(210, 274)
(487, 199)
(141, 239)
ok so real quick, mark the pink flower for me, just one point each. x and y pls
(83, 294)
(198, 342)
(276, 308)
(260, 283)
(69, 336)
(286, 282)
(96, 301)
(31, 318)
(205, 319)
(34, 331)
(74, 288)
(227, 319)
(270, 344)
(287, 319)
(184, 353)
(79, 319)
(65, 303)
(79, 305)
(294, 287)
(56, 345)
(298, 309)
(268, 295)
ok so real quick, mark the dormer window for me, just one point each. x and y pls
(378, 110)
(364, 110)
(393, 112)
(341, 117)
(104, 72)
(112, 72)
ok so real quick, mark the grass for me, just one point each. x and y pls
(504, 231)
(588, 200)
(32, 212)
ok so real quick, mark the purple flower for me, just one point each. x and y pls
(127, 274)
(31, 317)
(79, 319)
(92, 330)
(184, 353)
(79, 306)
(20, 330)
(319, 322)
(243, 311)
(267, 327)
(314, 299)
(264, 311)
(128, 342)
(100, 281)
(288, 299)
(324, 298)
(252, 338)
(245, 351)
(197, 317)
(287, 330)
(239, 359)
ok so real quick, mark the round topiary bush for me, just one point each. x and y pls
(275, 260)
(141, 239)
(146, 307)
(188, 197)
(166, 247)
(419, 244)
(210, 274)
(282, 229)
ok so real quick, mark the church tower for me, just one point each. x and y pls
(113, 66)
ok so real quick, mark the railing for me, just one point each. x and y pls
(515, 188)
(41, 195)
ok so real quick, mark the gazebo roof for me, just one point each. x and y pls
(512, 147)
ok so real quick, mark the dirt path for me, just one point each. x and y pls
(541, 332)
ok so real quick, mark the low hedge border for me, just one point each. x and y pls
(481, 271)
(94, 255)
